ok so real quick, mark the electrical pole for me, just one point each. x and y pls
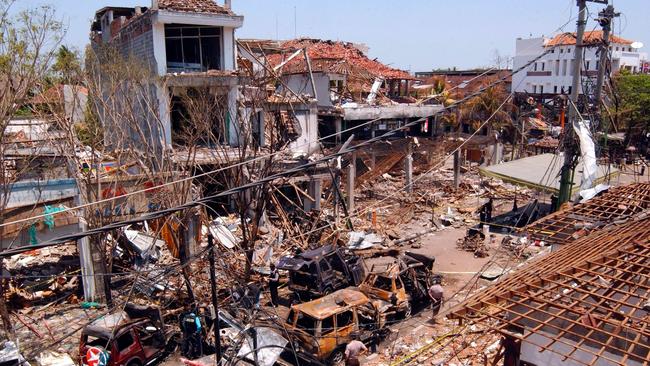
(215, 304)
(566, 179)
(605, 20)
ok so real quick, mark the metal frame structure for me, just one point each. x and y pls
(569, 224)
(586, 303)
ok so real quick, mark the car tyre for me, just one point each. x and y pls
(408, 311)
(337, 358)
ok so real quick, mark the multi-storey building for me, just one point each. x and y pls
(552, 74)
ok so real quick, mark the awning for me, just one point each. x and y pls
(542, 172)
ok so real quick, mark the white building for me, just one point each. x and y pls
(553, 73)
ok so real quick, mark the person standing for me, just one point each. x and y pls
(274, 282)
(353, 350)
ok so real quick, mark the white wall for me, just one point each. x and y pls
(301, 84)
(528, 49)
(307, 142)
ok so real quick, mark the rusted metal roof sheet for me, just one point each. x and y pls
(564, 226)
(585, 303)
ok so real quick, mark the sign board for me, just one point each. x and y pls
(96, 357)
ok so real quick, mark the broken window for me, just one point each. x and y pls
(384, 283)
(327, 325)
(344, 319)
(124, 341)
(192, 48)
(306, 323)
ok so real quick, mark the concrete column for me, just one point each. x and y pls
(409, 172)
(373, 158)
(93, 286)
(408, 168)
(338, 125)
(192, 246)
(164, 114)
(316, 192)
(352, 172)
(456, 168)
(337, 197)
(86, 263)
(232, 123)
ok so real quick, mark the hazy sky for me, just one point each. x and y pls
(415, 35)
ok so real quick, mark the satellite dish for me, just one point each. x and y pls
(636, 44)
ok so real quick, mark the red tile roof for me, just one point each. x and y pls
(335, 57)
(194, 6)
(590, 37)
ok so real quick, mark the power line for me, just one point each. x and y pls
(266, 180)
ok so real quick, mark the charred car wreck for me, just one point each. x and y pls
(321, 271)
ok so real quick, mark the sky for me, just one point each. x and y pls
(414, 35)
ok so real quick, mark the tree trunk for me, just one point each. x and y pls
(4, 312)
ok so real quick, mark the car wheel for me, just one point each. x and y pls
(337, 358)
(408, 311)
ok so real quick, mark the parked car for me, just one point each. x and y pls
(134, 337)
(322, 328)
(321, 271)
(400, 280)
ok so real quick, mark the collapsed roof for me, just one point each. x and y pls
(589, 38)
(193, 6)
(585, 303)
(564, 226)
(335, 57)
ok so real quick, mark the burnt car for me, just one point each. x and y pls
(321, 271)
(323, 327)
(135, 337)
(400, 280)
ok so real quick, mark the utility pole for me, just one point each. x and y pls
(566, 177)
(215, 304)
(605, 20)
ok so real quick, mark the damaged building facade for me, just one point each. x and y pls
(188, 46)
(352, 90)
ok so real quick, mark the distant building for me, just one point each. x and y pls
(463, 82)
(553, 73)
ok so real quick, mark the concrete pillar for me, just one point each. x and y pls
(456, 168)
(352, 172)
(316, 192)
(190, 233)
(232, 122)
(338, 125)
(373, 158)
(337, 197)
(409, 172)
(86, 263)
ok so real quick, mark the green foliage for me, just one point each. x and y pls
(67, 65)
(634, 102)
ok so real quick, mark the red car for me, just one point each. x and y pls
(135, 337)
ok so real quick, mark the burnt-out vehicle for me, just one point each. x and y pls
(135, 337)
(322, 328)
(400, 280)
(321, 271)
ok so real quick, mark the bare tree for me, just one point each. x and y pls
(27, 44)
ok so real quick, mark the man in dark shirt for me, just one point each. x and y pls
(274, 282)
